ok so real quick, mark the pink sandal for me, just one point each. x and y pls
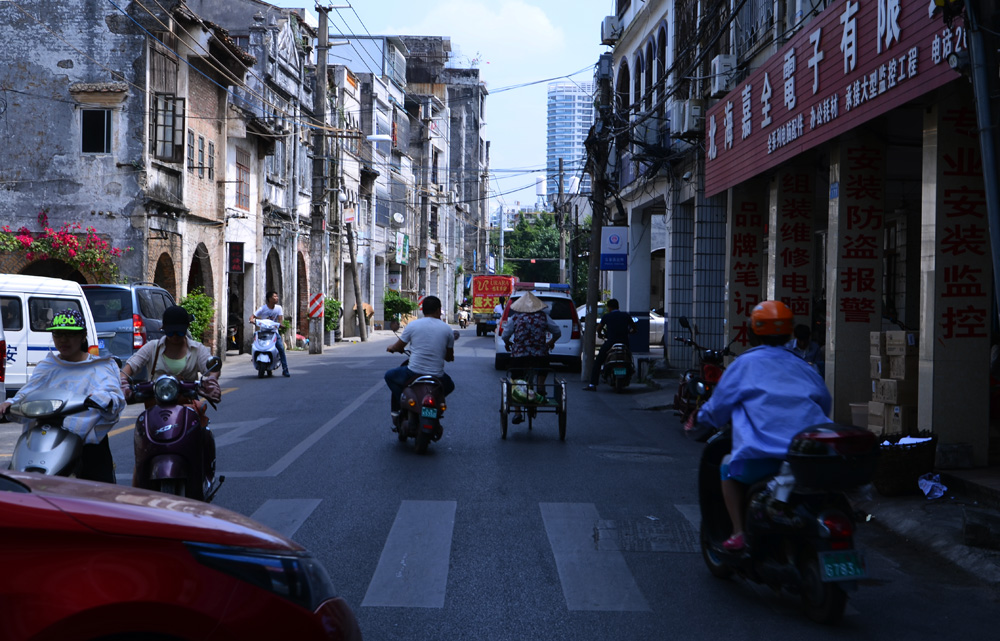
(734, 543)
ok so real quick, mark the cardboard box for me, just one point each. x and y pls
(901, 419)
(876, 408)
(902, 368)
(877, 344)
(876, 366)
(899, 343)
(893, 392)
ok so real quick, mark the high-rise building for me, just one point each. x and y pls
(570, 114)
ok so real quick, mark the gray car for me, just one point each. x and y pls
(126, 317)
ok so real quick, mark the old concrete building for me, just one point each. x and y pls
(120, 123)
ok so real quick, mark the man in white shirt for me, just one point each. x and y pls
(271, 310)
(432, 342)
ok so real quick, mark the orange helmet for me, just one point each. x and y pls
(772, 318)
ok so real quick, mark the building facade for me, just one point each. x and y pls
(827, 157)
(569, 117)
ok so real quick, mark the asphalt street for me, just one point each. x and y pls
(528, 537)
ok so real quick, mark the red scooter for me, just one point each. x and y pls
(696, 385)
(174, 453)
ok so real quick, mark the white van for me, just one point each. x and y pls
(27, 306)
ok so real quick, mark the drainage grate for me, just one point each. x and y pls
(644, 535)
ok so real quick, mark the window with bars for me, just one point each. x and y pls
(434, 222)
(211, 160)
(242, 179)
(167, 124)
(190, 153)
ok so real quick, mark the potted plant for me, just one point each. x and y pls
(331, 320)
(396, 306)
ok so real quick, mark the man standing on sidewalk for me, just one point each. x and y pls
(271, 310)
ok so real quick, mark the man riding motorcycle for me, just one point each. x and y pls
(176, 354)
(431, 343)
(615, 327)
(768, 394)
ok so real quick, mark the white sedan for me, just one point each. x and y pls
(656, 323)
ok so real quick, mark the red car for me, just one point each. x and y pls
(85, 561)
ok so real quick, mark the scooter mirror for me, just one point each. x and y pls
(214, 364)
(117, 361)
(394, 325)
(683, 320)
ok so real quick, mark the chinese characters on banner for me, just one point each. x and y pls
(792, 242)
(857, 60)
(859, 246)
(963, 270)
(746, 260)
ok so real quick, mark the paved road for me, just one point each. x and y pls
(528, 538)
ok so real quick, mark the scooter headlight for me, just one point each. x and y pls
(166, 389)
(34, 409)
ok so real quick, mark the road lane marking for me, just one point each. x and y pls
(413, 569)
(592, 579)
(285, 515)
(281, 464)
(238, 431)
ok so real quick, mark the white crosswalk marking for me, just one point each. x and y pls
(285, 515)
(692, 512)
(592, 578)
(413, 569)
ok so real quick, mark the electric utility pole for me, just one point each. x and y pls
(318, 235)
(561, 226)
(597, 146)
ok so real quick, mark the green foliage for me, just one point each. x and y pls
(331, 314)
(202, 307)
(535, 236)
(396, 305)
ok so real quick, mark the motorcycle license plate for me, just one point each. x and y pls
(428, 412)
(843, 565)
(619, 371)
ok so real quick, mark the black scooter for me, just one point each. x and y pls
(697, 384)
(798, 526)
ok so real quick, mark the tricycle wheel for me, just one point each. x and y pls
(503, 424)
(562, 425)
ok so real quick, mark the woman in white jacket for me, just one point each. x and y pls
(73, 368)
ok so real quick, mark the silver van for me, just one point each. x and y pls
(27, 306)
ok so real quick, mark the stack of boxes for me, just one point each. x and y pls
(893, 408)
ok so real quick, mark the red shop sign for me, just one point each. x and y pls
(857, 60)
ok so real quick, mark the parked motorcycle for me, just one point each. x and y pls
(45, 447)
(174, 453)
(696, 385)
(264, 353)
(618, 367)
(799, 525)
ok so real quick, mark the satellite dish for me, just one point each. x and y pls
(398, 218)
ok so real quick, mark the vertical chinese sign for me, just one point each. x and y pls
(957, 266)
(746, 260)
(791, 235)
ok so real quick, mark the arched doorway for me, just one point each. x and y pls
(272, 276)
(200, 273)
(54, 268)
(164, 274)
(302, 286)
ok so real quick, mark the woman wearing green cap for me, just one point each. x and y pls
(73, 368)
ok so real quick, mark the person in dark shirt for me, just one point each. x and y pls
(615, 327)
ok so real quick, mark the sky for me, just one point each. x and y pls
(515, 42)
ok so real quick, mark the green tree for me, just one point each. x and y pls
(202, 307)
(534, 237)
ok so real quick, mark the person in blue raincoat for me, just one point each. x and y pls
(769, 395)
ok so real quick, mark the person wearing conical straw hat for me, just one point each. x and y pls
(524, 334)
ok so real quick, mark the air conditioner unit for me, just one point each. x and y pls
(687, 117)
(722, 73)
(610, 30)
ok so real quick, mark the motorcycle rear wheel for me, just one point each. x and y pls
(423, 440)
(619, 384)
(716, 566)
(822, 602)
(173, 486)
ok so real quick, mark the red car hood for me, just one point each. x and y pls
(128, 511)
